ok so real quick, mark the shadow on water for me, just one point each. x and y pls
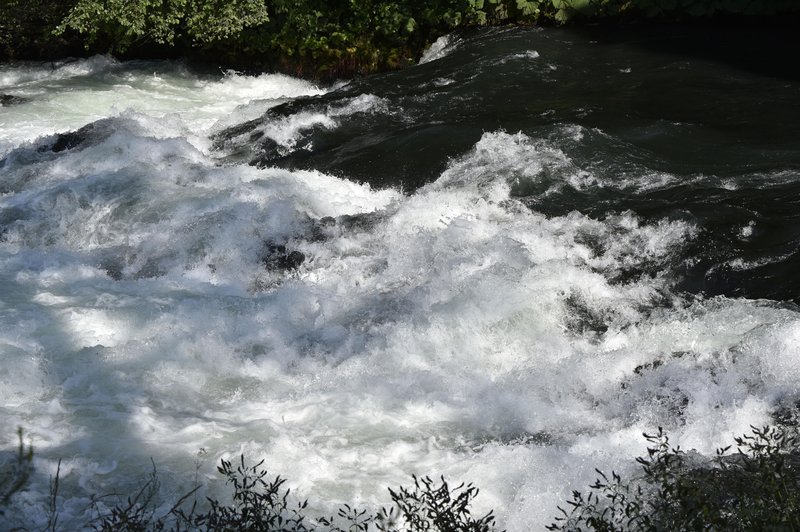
(763, 46)
(82, 414)
(78, 390)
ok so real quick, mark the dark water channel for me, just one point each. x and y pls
(700, 123)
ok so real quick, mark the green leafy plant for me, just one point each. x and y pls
(338, 38)
(124, 23)
(258, 503)
(26, 29)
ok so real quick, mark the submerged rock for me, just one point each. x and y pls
(279, 258)
(7, 100)
(71, 139)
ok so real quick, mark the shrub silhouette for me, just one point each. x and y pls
(757, 487)
(15, 473)
(754, 487)
(261, 503)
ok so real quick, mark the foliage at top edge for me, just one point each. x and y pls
(337, 38)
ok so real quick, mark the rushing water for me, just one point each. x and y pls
(501, 265)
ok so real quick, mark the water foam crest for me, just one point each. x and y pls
(442, 47)
(520, 160)
(19, 75)
(77, 94)
(288, 132)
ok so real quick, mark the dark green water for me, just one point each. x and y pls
(698, 123)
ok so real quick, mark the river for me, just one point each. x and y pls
(501, 265)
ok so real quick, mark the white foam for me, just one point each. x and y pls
(288, 131)
(78, 93)
(528, 54)
(441, 47)
(17, 76)
(521, 161)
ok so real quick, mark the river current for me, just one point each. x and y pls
(501, 265)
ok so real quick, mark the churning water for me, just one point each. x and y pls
(501, 265)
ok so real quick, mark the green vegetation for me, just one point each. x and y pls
(330, 39)
(338, 39)
(27, 29)
(258, 503)
(757, 487)
(120, 24)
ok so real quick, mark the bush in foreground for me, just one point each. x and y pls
(757, 487)
(260, 503)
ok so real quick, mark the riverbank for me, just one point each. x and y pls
(334, 43)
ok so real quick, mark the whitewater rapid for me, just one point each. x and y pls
(151, 306)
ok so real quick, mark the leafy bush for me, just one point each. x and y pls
(123, 23)
(260, 503)
(339, 37)
(331, 39)
(257, 503)
(755, 488)
(27, 29)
